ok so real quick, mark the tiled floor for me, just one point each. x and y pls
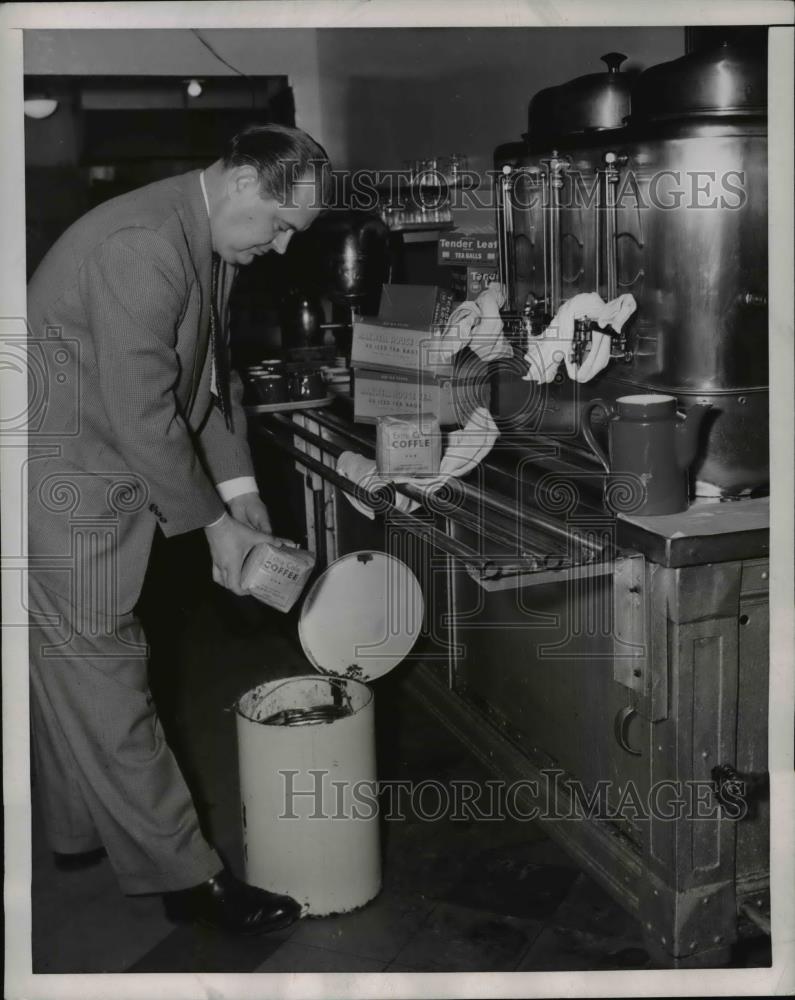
(457, 896)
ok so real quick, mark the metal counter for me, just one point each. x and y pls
(591, 661)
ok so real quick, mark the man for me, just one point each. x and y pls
(133, 296)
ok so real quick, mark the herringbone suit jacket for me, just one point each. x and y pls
(126, 293)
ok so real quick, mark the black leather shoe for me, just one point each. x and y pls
(226, 903)
(77, 862)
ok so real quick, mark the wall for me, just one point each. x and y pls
(392, 95)
(265, 52)
(398, 95)
(376, 98)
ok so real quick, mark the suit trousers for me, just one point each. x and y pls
(104, 771)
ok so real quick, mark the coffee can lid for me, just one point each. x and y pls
(362, 616)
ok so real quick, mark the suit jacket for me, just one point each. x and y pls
(124, 294)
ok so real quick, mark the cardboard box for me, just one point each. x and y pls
(451, 399)
(419, 307)
(383, 345)
(466, 283)
(457, 282)
(478, 280)
(472, 249)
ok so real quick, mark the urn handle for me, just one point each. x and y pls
(621, 729)
(588, 433)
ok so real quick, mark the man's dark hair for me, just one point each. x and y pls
(281, 156)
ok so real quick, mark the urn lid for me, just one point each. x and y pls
(726, 79)
(589, 103)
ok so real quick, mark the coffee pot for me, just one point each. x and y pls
(651, 448)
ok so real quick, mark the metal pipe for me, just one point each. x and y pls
(325, 418)
(439, 540)
(544, 183)
(319, 512)
(613, 163)
(509, 539)
(547, 560)
(535, 522)
(556, 168)
(530, 518)
(505, 217)
(598, 235)
(461, 517)
(554, 223)
(307, 435)
(611, 245)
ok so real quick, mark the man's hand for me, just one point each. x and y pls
(230, 542)
(249, 509)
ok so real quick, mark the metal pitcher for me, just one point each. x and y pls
(651, 450)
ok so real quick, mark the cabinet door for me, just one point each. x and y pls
(752, 719)
(538, 662)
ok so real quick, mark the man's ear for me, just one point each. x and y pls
(243, 178)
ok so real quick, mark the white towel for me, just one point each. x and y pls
(478, 324)
(545, 353)
(466, 448)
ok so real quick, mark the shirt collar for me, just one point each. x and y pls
(233, 268)
(215, 257)
(204, 192)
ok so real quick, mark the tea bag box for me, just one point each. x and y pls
(398, 365)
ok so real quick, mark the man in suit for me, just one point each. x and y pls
(133, 296)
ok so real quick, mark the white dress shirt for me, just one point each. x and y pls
(230, 488)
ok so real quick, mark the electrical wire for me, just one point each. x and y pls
(229, 65)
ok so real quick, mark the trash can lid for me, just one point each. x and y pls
(361, 617)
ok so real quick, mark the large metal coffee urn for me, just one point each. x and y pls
(667, 202)
(698, 149)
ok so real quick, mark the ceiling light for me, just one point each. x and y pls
(194, 88)
(39, 107)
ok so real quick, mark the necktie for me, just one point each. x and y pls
(218, 345)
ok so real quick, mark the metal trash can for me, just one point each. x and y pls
(306, 745)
